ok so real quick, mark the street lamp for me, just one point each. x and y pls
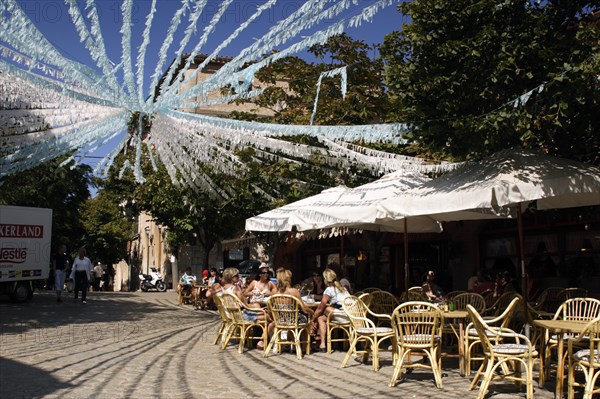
(147, 231)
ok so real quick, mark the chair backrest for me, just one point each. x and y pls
(488, 296)
(370, 289)
(414, 294)
(580, 309)
(469, 298)
(222, 312)
(365, 297)
(569, 293)
(450, 296)
(383, 302)
(502, 303)
(417, 324)
(591, 333)
(232, 306)
(549, 300)
(285, 310)
(505, 318)
(357, 312)
(481, 327)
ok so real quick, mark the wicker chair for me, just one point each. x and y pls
(450, 296)
(414, 294)
(226, 322)
(383, 302)
(364, 330)
(588, 360)
(234, 308)
(288, 319)
(461, 301)
(342, 328)
(368, 290)
(186, 293)
(570, 293)
(549, 299)
(576, 309)
(472, 338)
(498, 353)
(500, 304)
(418, 329)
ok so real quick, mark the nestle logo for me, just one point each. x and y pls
(13, 255)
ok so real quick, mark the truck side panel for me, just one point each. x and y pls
(25, 243)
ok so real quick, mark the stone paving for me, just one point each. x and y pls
(142, 345)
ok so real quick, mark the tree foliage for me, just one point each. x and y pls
(108, 229)
(455, 68)
(60, 188)
(291, 102)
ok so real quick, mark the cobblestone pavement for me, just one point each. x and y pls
(142, 345)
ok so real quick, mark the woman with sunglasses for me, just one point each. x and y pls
(261, 288)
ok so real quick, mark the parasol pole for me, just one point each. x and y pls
(406, 273)
(522, 252)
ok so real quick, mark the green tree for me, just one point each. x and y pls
(49, 185)
(107, 229)
(292, 102)
(454, 69)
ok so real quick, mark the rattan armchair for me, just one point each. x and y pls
(472, 339)
(498, 352)
(587, 360)
(289, 319)
(364, 330)
(576, 309)
(342, 328)
(450, 296)
(242, 328)
(383, 302)
(418, 330)
(570, 293)
(500, 304)
(226, 322)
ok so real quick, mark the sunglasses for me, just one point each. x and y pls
(264, 273)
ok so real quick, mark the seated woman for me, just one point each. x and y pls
(318, 287)
(261, 288)
(229, 286)
(431, 289)
(284, 286)
(214, 285)
(186, 284)
(333, 296)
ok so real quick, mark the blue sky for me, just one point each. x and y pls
(52, 18)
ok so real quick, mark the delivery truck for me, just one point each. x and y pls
(25, 249)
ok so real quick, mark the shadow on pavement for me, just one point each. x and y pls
(27, 380)
(43, 311)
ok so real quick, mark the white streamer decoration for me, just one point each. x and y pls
(51, 105)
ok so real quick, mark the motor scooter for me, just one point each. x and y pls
(152, 281)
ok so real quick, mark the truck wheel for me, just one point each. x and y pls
(161, 286)
(22, 292)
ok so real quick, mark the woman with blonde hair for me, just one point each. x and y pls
(333, 296)
(284, 286)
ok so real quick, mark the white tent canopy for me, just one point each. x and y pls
(497, 187)
(497, 184)
(345, 207)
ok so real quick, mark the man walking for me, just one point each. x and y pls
(60, 264)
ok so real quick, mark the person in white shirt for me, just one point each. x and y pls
(98, 271)
(331, 302)
(81, 273)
